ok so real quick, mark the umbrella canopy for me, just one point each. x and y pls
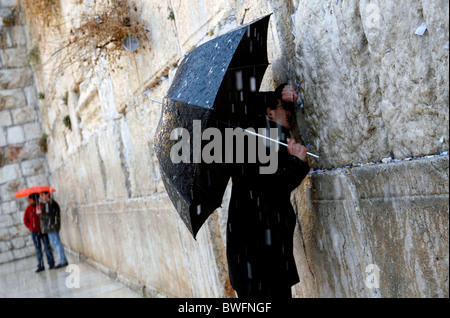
(215, 83)
(25, 193)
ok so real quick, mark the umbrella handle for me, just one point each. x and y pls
(156, 101)
(274, 140)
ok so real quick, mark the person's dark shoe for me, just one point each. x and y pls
(51, 267)
(40, 269)
(61, 265)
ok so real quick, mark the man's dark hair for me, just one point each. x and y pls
(34, 196)
(279, 90)
(269, 100)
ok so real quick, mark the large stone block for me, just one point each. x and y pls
(392, 215)
(368, 79)
(33, 166)
(89, 111)
(8, 207)
(18, 242)
(32, 130)
(5, 118)
(31, 95)
(194, 19)
(38, 179)
(114, 170)
(14, 57)
(15, 135)
(23, 115)
(9, 173)
(28, 151)
(8, 190)
(12, 36)
(6, 257)
(12, 98)
(139, 149)
(2, 137)
(15, 78)
(95, 172)
(6, 221)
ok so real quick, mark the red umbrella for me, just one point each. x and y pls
(25, 193)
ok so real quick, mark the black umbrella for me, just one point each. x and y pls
(215, 83)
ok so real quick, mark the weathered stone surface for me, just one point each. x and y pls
(15, 135)
(32, 130)
(394, 216)
(139, 151)
(8, 207)
(2, 137)
(14, 57)
(366, 78)
(203, 18)
(15, 78)
(37, 179)
(23, 115)
(30, 150)
(109, 150)
(12, 98)
(9, 173)
(7, 190)
(12, 36)
(163, 264)
(13, 153)
(5, 118)
(31, 95)
(8, 18)
(33, 166)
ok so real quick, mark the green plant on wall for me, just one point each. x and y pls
(65, 99)
(43, 142)
(33, 56)
(171, 14)
(67, 123)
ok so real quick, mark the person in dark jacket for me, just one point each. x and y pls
(50, 218)
(31, 221)
(261, 219)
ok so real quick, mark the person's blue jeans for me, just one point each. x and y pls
(57, 247)
(37, 238)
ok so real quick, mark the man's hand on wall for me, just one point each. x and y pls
(296, 149)
(289, 94)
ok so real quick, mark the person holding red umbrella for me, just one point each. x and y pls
(32, 222)
(49, 211)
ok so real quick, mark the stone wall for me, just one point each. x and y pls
(22, 161)
(375, 107)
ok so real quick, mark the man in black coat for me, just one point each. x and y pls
(261, 219)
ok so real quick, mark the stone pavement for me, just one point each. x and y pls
(18, 280)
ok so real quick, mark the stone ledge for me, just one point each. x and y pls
(385, 180)
(392, 215)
